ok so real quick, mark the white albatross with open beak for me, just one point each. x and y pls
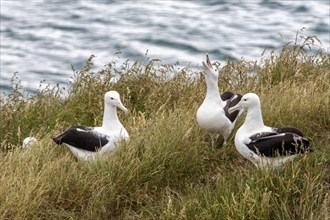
(213, 116)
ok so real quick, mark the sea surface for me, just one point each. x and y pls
(41, 39)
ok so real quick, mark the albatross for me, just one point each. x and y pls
(86, 142)
(266, 146)
(212, 115)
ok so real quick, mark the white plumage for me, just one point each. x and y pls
(266, 146)
(87, 142)
(27, 142)
(212, 115)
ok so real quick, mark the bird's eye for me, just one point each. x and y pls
(111, 98)
(244, 99)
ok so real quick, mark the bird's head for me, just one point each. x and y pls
(113, 98)
(247, 101)
(210, 70)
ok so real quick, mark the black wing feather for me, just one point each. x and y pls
(261, 135)
(84, 138)
(271, 145)
(226, 95)
(289, 130)
(230, 103)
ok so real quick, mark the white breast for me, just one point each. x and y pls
(211, 117)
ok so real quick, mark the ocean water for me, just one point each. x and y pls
(41, 39)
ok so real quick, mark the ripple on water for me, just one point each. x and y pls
(42, 39)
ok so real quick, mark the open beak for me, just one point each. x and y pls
(234, 108)
(122, 107)
(207, 64)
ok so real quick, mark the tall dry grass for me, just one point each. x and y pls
(168, 169)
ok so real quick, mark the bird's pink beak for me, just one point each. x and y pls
(208, 61)
(235, 108)
(207, 64)
(122, 107)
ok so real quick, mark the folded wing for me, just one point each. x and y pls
(272, 144)
(82, 137)
(231, 100)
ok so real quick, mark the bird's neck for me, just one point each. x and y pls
(253, 118)
(110, 117)
(212, 88)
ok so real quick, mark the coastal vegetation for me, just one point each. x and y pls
(168, 170)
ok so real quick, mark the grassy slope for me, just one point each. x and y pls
(168, 170)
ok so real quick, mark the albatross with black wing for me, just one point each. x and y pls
(86, 142)
(266, 146)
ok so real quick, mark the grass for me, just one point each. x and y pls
(168, 169)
